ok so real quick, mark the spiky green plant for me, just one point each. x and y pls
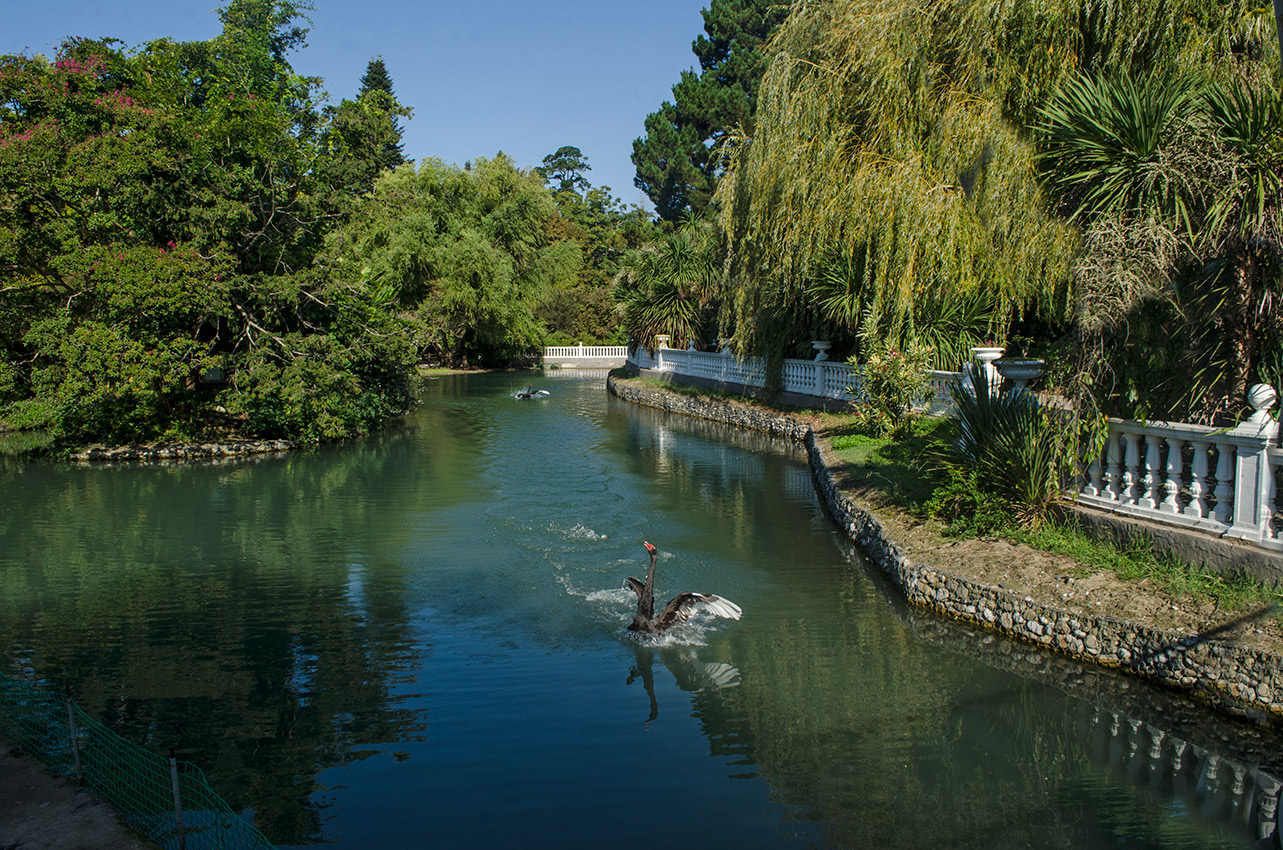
(668, 286)
(1109, 142)
(1015, 450)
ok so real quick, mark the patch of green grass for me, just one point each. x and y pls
(851, 441)
(1231, 592)
(901, 469)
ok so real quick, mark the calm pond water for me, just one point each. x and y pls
(418, 639)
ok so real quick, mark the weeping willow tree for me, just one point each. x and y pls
(899, 136)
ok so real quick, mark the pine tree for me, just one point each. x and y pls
(364, 135)
(376, 78)
(679, 159)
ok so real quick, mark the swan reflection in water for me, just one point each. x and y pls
(690, 673)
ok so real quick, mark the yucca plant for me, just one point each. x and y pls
(1107, 142)
(1014, 448)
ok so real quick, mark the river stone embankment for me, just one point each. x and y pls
(1236, 680)
(180, 451)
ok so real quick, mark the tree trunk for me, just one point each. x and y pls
(1278, 24)
(1242, 328)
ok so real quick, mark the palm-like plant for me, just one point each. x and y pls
(668, 287)
(1108, 146)
(1015, 449)
(1243, 222)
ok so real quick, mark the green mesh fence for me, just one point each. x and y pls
(138, 783)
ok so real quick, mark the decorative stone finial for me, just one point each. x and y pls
(1262, 398)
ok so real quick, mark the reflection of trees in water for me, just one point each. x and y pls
(737, 475)
(222, 609)
(853, 723)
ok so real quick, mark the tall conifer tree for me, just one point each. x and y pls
(679, 158)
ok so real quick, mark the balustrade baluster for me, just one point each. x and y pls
(1114, 468)
(1094, 478)
(1224, 492)
(1149, 482)
(1197, 507)
(1271, 493)
(1175, 473)
(1131, 469)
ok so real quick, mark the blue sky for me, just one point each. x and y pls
(481, 75)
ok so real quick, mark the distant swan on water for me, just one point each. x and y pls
(530, 392)
(679, 608)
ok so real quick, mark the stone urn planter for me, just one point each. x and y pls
(1020, 371)
(822, 346)
(982, 372)
(661, 340)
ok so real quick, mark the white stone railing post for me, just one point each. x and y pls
(1114, 477)
(1197, 508)
(1149, 482)
(1253, 476)
(1131, 468)
(1175, 472)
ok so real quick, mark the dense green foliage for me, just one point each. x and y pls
(193, 245)
(680, 157)
(463, 253)
(580, 307)
(1079, 166)
(160, 212)
(667, 287)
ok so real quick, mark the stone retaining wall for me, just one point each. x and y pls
(1236, 680)
(181, 451)
(716, 410)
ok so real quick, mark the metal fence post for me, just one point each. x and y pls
(178, 800)
(75, 738)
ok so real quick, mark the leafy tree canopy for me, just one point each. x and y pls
(893, 178)
(160, 215)
(679, 159)
(465, 255)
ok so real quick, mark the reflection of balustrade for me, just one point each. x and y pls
(1215, 786)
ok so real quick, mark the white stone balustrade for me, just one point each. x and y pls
(1215, 480)
(586, 351)
(823, 379)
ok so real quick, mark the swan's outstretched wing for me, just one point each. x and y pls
(637, 586)
(685, 605)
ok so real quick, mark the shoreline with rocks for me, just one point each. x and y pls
(1239, 681)
(162, 452)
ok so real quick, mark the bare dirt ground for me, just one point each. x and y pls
(40, 811)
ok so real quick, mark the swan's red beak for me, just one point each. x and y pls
(649, 548)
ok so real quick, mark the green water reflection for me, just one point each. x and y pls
(418, 638)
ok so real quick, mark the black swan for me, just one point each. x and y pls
(681, 607)
(531, 392)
